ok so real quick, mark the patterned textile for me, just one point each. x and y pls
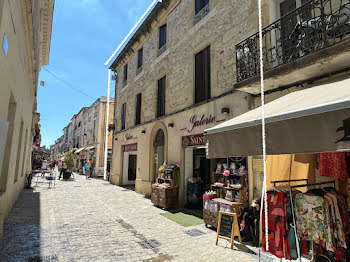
(312, 219)
(333, 165)
(277, 226)
(338, 227)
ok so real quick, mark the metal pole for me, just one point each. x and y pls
(106, 134)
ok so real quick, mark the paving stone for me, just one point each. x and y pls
(91, 220)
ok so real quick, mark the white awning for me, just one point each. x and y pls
(307, 121)
(79, 150)
(90, 148)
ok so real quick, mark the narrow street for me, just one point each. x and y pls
(92, 220)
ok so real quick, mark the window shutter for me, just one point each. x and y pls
(138, 109)
(125, 72)
(123, 115)
(140, 58)
(202, 75)
(206, 71)
(162, 35)
(161, 97)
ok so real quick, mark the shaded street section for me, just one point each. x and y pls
(92, 220)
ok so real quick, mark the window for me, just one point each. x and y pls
(8, 148)
(79, 124)
(24, 153)
(138, 109)
(202, 75)
(93, 131)
(19, 147)
(123, 116)
(200, 4)
(162, 36)
(125, 73)
(140, 58)
(161, 97)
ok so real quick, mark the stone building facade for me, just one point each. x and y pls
(86, 132)
(25, 36)
(230, 29)
(189, 32)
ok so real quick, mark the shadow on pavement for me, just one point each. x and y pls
(22, 230)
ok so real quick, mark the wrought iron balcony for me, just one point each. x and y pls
(314, 26)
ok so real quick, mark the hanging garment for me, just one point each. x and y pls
(333, 165)
(291, 232)
(338, 223)
(312, 219)
(277, 226)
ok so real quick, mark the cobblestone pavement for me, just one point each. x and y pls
(92, 220)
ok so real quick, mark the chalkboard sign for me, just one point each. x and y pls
(226, 222)
(228, 227)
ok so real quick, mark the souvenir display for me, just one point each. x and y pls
(231, 189)
(165, 192)
(218, 168)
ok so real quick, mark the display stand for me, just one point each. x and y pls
(235, 201)
(165, 192)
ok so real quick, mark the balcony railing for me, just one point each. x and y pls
(315, 25)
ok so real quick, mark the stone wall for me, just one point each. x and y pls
(227, 23)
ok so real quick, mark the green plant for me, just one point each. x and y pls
(69, 160)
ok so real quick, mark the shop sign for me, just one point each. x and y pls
(130, 147)
(200, 121)
(194, 140)
(128, 136)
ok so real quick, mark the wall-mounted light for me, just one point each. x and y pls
(225, 110)
(143, 131)
(171, 124)
(111, 127)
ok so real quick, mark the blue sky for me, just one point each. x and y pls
(85, 33)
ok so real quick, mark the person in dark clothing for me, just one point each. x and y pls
(250, 225)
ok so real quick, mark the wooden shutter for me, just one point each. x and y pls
(123, 115)
(202, 75)
(125, 72)
(140, 57)
(161, 97)
(138, 109)
(162, 35)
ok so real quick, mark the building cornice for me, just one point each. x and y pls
(46, 27)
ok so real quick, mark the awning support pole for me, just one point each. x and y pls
(263, 122)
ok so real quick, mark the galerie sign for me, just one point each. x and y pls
(194, 140)
(201, 121)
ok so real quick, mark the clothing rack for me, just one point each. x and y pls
(290, 180)
(315, 184)
(302, 185)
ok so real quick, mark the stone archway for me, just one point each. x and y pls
(158, 149)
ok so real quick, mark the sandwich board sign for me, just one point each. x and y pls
(228, 227)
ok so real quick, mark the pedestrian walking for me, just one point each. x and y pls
(63, 169)
(84, 163)
(91, 166)
(87, 169)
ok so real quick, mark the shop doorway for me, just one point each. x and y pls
(198, 171)
(201, 167)
(129, 168)
(159, 144)
(132, 167)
